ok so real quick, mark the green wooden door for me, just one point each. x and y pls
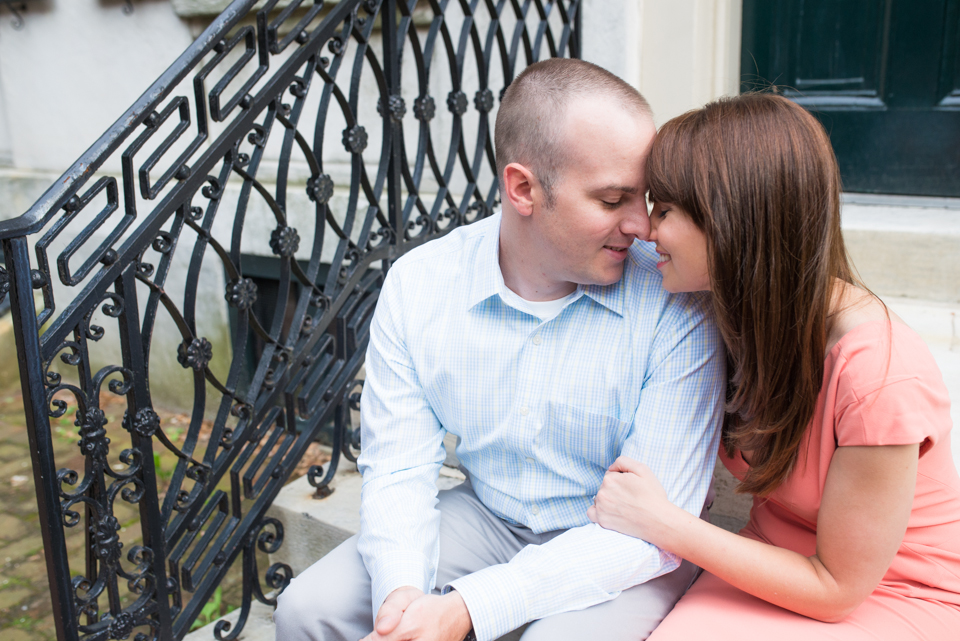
(882, 75)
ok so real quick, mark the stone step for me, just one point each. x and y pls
(259, 625)
(311, 528)
(905, 246)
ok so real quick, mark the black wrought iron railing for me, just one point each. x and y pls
(328, 139)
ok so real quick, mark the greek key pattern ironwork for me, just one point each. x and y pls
(326, 138)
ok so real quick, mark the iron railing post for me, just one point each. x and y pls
(138, 401)
(27, 334)
(392, 106)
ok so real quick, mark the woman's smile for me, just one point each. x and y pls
(681, 245)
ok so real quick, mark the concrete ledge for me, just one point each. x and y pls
(312, 527)
(907, 248)
(259, 626)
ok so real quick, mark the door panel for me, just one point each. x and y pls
(882, 75)
(949, 96)
(839, 52)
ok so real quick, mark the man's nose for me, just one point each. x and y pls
(637, 224)
(652, 235)
(652, 226)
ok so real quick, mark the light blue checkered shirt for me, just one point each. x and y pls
(542, 409)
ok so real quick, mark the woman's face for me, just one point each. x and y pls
(682, 248)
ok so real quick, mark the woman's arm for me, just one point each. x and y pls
(863, 516)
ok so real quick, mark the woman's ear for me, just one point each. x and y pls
(519, 186)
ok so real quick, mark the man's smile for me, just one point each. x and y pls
(615, 248)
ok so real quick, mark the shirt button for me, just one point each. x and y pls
(537, 340)
(524, 411)
(534, 510)
(529, 459)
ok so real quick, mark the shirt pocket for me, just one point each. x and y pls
(586, 438)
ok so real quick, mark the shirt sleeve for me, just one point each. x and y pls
(675, 432)
(400, 460)
(889, 389)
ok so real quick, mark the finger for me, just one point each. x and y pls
(388, 617)
(393, 607)
(592, 513)
(627, 464)
(387, 620)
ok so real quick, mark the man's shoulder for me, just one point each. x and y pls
(643, 286)
(450, 252)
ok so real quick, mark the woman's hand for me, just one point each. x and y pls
(632, 501)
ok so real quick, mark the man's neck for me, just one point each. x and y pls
(523, 269)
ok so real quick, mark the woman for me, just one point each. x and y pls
(838, 419)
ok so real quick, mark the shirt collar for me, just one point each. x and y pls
(488, 279)
(610, 296)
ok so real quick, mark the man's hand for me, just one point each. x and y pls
(392, 609)
(425, 617)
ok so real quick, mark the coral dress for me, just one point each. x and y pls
(863, 401)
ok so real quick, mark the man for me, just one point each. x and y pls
(542, 338)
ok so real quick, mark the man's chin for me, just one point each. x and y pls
(607, 278)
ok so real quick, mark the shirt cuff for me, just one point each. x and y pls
(494, 600)
(398, 570)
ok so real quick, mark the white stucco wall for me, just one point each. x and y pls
(679, 53)
(690, 53)
(612, 36)
(72, 69)
(75, 65)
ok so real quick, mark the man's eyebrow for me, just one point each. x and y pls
(625, 189)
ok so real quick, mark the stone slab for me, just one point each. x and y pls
(259, 626)
(905, 246)
(312, 527)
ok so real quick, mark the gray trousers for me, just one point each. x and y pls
(331, 600)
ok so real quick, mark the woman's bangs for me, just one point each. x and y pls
(670, 165)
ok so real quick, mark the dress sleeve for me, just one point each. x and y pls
(889, 390)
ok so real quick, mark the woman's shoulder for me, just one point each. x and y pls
(885, 385)
(857, 313)
(872, 347)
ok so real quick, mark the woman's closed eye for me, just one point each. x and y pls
(660, 211)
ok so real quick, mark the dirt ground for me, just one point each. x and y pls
(25, 608)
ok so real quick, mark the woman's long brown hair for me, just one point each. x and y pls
(758, 176)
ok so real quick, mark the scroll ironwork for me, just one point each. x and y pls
(327, 139)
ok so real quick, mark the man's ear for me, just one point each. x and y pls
(520, 187)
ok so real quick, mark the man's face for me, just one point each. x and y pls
(599, 206)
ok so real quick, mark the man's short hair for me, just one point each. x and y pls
(528, 122)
